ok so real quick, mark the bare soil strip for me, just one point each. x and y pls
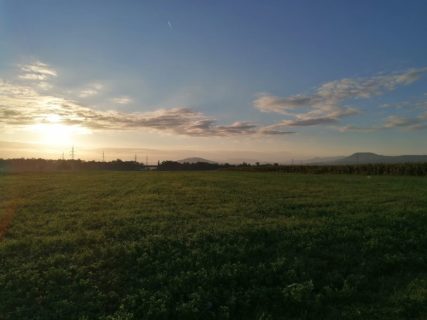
(6, 219)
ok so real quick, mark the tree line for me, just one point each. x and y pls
(44, 165)
(174, 165)
(412, 169)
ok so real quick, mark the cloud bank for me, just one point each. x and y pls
(23, 105)
(26, 103)
(326, 104)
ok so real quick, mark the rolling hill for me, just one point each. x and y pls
(196, 160)
(369, 157)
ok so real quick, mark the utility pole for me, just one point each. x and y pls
(63, 156)
(146, 160)
(103, 156)
(136, 158)
(72, 153)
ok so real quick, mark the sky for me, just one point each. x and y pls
(228, 80)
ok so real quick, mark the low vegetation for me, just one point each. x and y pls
(212, 245)
(393, 169)
(44, 165)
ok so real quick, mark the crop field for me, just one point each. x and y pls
(212, 245)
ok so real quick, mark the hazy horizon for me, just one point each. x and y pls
(10, 150)
(221, 80)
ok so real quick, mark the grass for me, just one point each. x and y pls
(212, 245)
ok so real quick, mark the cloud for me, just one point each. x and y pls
(407, 123)
(413, 104)
(269, 103)
(325, 105)
(37, 71)
(351, 128)
(91, 90)
(122, 100)
(22, 106)
(87, 93)
(417, 123)
(316, 117)
(34, 102)
(45, 85)
(309, 122)
(271, 131)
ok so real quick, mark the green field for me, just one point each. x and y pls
(212, 245)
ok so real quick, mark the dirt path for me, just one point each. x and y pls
(6, 218)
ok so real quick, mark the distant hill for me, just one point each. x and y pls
(196, 160)
(369, 157)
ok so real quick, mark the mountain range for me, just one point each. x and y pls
(355, 158)
(369, 157)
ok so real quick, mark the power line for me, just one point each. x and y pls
(72, 153)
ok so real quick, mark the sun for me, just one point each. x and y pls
(53, 132)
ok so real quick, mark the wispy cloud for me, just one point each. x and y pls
(309, 121)
(415, 123)
(45, 85)
(352, 128)
(92, 89)
(325, 104)
(122, 100)
(23, 105)
(418, 122)
(412, 104)
(37, 71)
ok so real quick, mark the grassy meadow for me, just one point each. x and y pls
(212, 245)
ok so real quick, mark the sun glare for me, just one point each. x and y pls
(55, 133)
(53, 118)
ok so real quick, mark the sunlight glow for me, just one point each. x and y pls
(57, 133)
(53, 118)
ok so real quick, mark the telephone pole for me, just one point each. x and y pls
(103, 156)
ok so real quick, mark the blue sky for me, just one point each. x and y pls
(304, 77)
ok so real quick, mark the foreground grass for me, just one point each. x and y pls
(212, 245)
